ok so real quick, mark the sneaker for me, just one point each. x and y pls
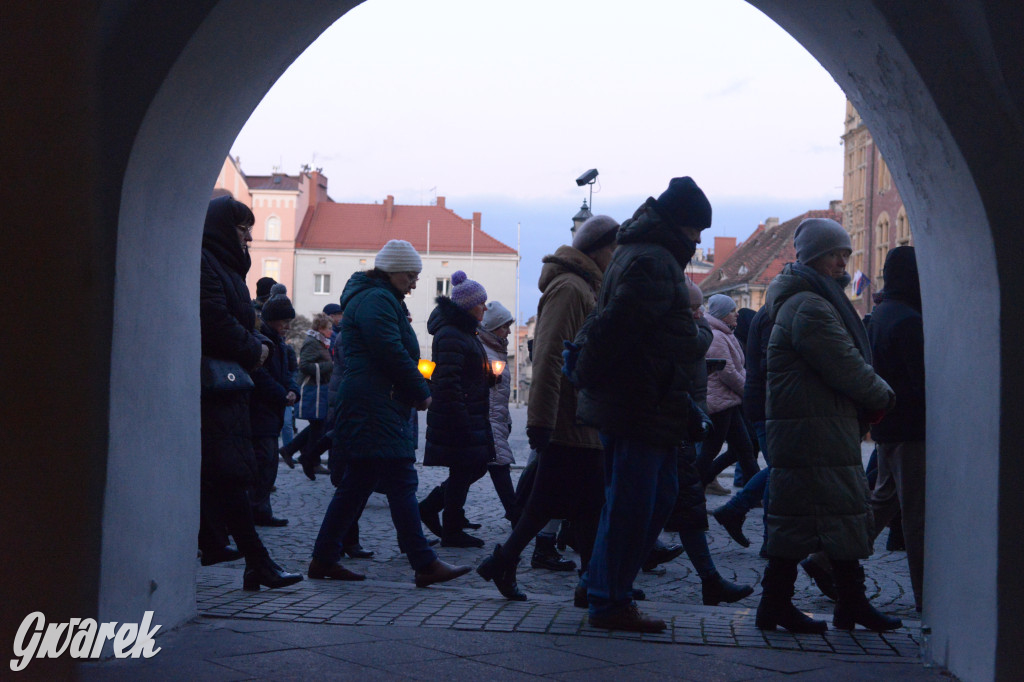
(630, 619)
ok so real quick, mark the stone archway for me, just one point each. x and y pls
(951, 130)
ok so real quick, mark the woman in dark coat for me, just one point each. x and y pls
(373, 435)
(228, 469)
(458, 422)
(822, 394)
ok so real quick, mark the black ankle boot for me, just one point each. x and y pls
(261, 570)
(732, 520)
(503, 572)
(776, 606)
(716, 589)
(430, 510)
(545, 555)
(852, 605)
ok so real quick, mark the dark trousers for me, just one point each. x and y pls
(456, 488)
(501, 477)
(580, 499)
(729, 428)
(224, 506)
(397, 479)
(265, 450)
(311, 448)
(900, 487)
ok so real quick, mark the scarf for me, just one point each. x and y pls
(832, 291)
(319, 337)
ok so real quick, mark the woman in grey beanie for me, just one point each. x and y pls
(725, 398)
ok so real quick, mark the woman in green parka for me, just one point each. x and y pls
(373, 435)
(822, 395)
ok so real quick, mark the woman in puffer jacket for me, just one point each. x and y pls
(494, 332)
(725, 397)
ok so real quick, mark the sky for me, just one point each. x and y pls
(500, 106)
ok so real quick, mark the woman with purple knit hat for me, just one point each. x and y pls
(458, 421)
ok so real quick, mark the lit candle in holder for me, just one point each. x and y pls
(426, 368)
(497, 367)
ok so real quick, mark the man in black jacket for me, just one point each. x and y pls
(636, 367)
(896, 333)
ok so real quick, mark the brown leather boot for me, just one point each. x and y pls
(439, 572)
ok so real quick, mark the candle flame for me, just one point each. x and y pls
(426, 368)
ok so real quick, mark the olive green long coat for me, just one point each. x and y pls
(818, 388)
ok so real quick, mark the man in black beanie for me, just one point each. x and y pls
(638, 360)
(263, 286)
(275, 389)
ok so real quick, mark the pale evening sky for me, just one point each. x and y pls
(500, 106)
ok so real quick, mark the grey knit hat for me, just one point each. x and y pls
(495, 316)
(721, 305)
(398, 256)
(466, 293)
(815, 237)
(597, 232)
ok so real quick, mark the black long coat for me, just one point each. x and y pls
(227, 322)
(458, 421)
(273, 381)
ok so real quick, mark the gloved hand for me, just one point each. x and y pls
(539, 437)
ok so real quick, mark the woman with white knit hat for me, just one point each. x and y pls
(373, 434)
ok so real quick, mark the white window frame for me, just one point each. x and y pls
(276, 222)
(443, 286)
(276, 274)
(319, 278)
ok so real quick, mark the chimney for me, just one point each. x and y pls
(440, 202)
(724, 246)
(476, 219)
(769, 223)
(389, 208)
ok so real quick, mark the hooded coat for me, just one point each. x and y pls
(227, 321)
(458, 420)
(725, 387)
(640, 348)
(569, 282)
(501, 419)
(819, 385)
(381, 383)
(896, 333)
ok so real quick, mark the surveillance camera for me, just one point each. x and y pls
(587, 177)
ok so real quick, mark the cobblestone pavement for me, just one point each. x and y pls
(388, 598)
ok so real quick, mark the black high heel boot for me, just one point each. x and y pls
(261, 570)
(852, 605)
(503, 572)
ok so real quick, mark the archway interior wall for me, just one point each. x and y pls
(151, 506)
(955, 246)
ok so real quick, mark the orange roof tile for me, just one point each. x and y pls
(364, 227)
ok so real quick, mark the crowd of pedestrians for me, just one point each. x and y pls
(638, 382)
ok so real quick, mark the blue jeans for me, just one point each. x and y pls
(640, 489)
(288, 430)
(397, 479)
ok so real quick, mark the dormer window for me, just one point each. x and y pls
(743, 270)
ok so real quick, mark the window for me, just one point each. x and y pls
(321, 284)
(444, 286)
(881, 248)
(903, 236)
(272, 268)
(273, 226)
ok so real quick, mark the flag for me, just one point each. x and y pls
(860, 283)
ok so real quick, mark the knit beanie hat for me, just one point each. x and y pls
(721, 305)
(684, 205)
(398, 256)
(278, 307)
(815, 237)
(465, 292)
(596, 233)
(495, 316)
(263, 285)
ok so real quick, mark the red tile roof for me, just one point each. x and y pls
(761, 257)
(264, 182)
(365, 227)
